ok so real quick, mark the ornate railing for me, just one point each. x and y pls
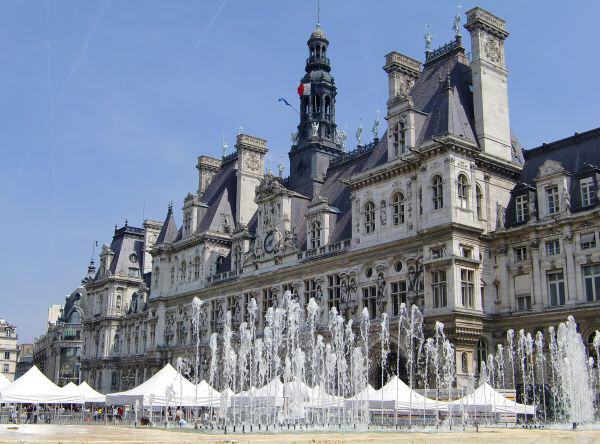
(359, 151)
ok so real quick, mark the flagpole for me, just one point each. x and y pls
(281, 99)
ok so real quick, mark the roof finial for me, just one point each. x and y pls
(318, 14)
(170, 208)
(456, 27)
(428, 38)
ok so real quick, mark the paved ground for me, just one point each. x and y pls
(99, 434)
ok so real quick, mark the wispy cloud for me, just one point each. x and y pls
(79, 61)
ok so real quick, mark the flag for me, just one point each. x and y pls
(281, 99)
(304, 89)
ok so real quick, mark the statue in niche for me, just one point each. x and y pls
(318, 294)
(383, 213)
(566, 200)
(314, 130)
(380, 286)
(344, 292)
(500, 216)
(532, 211)
(414, 277)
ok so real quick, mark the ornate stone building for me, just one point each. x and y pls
(445, 211)
(8, 349)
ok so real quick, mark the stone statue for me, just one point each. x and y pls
(500, 216)
(566, 200)
(281, 168)
(359, 132)
(344, 292)
(428, 39)
(383, 213)
(414, 276)
(341, 137)
(376, 127)
(314, 129)
(294, 137)
(318, 294)
(532, 211)
(380, 287)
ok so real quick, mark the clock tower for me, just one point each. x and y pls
(316, 141)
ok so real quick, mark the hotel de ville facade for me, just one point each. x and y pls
(445, 210)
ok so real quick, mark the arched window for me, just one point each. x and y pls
(479, 201)
(315, 234)
(463, 191)
(481, 353)
(219, 264)
(327, 107)
(398, 208)
(437, 192)
(316, 106)
(399, 138)
(464, 359)
(369, 217)
(237, 257)
(196, 267)
(187, 223)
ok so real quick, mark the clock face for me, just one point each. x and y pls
(269, 243)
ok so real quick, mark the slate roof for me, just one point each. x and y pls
(168, 232)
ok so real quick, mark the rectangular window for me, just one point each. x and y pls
(370, 300)
(556, 288)
(290, 287)
(587, 241)
(467, 252)
(467, 287)
(214, 315)
(5, 368)
(268, 300)
(398, 296)
(439, 289)
(520, 254)
(7, 356)
(334, 291)
(247, 299)
(552, 247)
(587, 191)
(437, 253)
(524, 303)
(591, 282)
(152, 334)
(553, 200)
(310, 289)
(522, 208)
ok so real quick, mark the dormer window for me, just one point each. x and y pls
(552, 198)
(399, 136)
(369, 217)
(522, 208)
(587, 191)
(398, 208)
(315, 234)
(187, 223)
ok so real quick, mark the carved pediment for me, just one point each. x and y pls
(550, 167)
(269, 186)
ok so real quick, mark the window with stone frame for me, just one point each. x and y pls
(220, 265)
(214, 315)
(479, 201)
(556, 288)
(553, 199)
(591, 282)
(182, 271)
(524, 303)
(399, 138)
(398, 293)
(231, 304)
(370, 300)
(369, 217)
(552, 247)
(482, 353)
(463, 191)
(586, 186)
(520, 254)
(467, 287)
(237, 257)
(398, 208)
(437, 191)
(522, 208)
(247, 299)
(268, 300)
(587, 241)
(172, 275)
(464, 366)
(152, 334)
(315, 234)
(334, 291)
(310, 289)
(439, 289)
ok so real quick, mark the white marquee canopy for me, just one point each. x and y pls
(33, 387)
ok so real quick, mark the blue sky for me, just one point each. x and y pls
(107, 104)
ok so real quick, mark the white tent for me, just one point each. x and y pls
(33, 387)
(267, 394)
(319, 398)
(166, 385)
(396, 395)
(208, 396)
(89, 394)
(363, 396)
(4, 381)
(487, 400)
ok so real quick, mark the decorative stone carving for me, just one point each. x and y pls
(492, 49)
(566, 201)
(253, 162)
(500, 216)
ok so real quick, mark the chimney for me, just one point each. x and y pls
(490, 91)
(402, 72)
(208, 167)
(251, 160)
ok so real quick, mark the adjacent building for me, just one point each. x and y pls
(8, 349)
(444, 210)
(25, 359)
